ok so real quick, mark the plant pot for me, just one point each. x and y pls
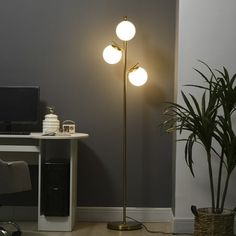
(213, 224)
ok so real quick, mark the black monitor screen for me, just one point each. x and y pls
(19, 104)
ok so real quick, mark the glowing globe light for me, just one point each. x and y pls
(112, 54)
(125, 30)
(138, 76)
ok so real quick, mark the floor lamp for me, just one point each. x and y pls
(112, 54)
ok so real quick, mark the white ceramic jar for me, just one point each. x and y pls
(51, 124)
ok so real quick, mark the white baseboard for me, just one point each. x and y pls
(92, 214)
(105, 214)
(183, 225)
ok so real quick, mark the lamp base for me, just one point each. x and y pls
(121, 226)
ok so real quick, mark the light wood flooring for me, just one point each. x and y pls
(95, 229)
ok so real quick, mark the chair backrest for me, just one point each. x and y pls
(14, 177)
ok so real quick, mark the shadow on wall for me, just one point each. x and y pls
(153, 94)
(159, 88)
(93, 179)
(157, 91)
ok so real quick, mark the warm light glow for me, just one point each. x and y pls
(112, 54)
(125, 30)
(138, 76)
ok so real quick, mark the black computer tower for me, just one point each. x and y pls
(55, 188)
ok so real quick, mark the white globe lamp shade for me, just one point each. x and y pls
(125, 30)
(112, 55)
(138, 76)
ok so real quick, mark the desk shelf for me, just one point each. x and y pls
(51, 223)
(19, 148)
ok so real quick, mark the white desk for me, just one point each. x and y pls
(46, 223)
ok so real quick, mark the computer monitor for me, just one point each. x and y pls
(19, 105)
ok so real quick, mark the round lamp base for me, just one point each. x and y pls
(121, 226)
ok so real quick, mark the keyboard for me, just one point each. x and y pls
(15, 132)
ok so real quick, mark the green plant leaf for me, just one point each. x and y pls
(206, 119)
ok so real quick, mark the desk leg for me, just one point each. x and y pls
(39, 178)
(73, 179)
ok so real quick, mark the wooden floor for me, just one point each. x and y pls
(96, 229)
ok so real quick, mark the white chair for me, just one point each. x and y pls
(14, 177)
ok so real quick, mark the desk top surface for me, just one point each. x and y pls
(41, 136)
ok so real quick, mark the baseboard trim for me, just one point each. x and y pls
(183, 225)
(92, 214)
(105, 214)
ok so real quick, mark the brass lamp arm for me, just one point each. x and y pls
(117, 46)
(134, 67)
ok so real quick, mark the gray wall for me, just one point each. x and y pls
(58, 45)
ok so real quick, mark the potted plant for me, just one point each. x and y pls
(208, 121)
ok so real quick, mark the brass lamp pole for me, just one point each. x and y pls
(137, 76)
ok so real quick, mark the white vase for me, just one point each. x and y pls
(51, 124)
